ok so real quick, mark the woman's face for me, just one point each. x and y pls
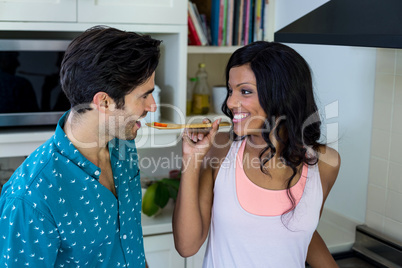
(248, 115)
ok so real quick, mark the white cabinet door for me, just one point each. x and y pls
(161, 253)
(133, 11)
(38, 10)
(196, 260)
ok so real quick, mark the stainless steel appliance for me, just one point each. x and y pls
(30, 92)
(371, 249)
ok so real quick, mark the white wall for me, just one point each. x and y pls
(346, 75)
(385, 180)
(287, 11)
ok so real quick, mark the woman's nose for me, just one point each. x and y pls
(233, 102)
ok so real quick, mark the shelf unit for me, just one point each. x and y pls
(172, 64)
(216, 57)
(211, 49)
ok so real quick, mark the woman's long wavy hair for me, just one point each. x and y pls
(285, 92)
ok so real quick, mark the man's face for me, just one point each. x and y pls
(136, 106)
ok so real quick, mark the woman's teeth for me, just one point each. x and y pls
(239, 116)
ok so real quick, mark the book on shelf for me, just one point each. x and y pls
(221, 21)
(236, 15)
(264, 15)
(251, 22)
(201, 21)
(231, 22)
(193, 39)
(215, 11)
(206, 27)
(224, 22)
(257, 20)
(246, 21)
(240, 26)
(197, 24)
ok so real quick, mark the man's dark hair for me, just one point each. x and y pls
(108, 60)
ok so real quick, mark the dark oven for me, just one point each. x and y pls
(371, 249)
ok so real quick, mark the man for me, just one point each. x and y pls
(76, 200)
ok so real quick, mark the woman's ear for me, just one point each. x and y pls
(102, 102)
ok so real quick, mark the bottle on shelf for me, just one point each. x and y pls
(190, 90)
(201, 94)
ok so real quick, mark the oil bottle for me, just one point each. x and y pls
(201, 94)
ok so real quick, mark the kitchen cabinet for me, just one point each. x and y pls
(38, 10)
(102, 11)
(161, 253)
(134, 11)
(159, 246)
(196, 260)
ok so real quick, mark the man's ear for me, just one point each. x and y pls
(103, 102)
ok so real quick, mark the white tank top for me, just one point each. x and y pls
(238, 238)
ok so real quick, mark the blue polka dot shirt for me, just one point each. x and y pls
(55, 213)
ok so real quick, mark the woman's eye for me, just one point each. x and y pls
(230, 92)
(246, 92)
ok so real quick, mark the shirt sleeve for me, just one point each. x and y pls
(27, 237)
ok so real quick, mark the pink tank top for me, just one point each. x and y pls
(264, 202)
(243, 238)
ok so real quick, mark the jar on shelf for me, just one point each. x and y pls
(201, 94)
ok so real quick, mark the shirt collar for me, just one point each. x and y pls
(67, 149)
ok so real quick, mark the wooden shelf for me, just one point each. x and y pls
(211, 49)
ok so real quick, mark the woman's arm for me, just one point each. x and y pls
(329, 163)
(318, 254)
(192, 213)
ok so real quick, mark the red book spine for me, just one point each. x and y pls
(193, 38)
(221, 15)
(247, 22)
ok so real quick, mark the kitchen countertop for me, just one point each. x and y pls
(160, 223)
(337, 231)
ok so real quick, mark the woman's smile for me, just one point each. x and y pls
(237, 117)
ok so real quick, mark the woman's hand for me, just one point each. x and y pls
(197, 142)
(192, 213)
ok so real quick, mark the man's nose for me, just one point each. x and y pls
(152, 104)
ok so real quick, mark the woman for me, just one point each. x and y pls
(258, 193)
